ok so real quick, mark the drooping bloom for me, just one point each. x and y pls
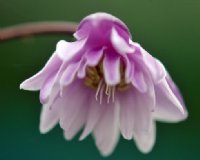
(106, 84)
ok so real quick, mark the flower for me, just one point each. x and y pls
(106, 84)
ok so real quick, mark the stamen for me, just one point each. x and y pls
(101, 93)
(113, 94)
(98, 89)
(109, 94)
(107, 90)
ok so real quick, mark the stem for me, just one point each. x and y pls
(35, 28)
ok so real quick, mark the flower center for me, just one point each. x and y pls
(95, 79)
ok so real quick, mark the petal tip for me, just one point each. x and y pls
(43, 129)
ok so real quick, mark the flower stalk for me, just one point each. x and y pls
(37, 28)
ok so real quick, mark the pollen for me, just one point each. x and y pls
(94, 75)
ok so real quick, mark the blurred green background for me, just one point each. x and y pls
(169, 30)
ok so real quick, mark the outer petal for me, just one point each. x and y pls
(49, 118)
(169, 104)
(67, 50)
(111, 67)
(77, 124)
(145, 140)
(139, 81)
(143, 121)
(127, 112)
(94, 113)
(36, 82)
(46, 89)
(49, 115)
(154, 67)
(106, 132)
(73, 110)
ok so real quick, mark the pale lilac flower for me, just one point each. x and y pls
(106, 84)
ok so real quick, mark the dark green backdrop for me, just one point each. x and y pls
(168, 29)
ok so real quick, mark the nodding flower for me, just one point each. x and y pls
(106, 84)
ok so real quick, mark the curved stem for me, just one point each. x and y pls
(34, 28)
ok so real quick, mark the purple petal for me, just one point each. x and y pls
(169, 105)
(94, 56)
(35, 83)
(106, 132)
(111, 67)
(120, 45)
(67, 50)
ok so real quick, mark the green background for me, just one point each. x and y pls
(168, 29)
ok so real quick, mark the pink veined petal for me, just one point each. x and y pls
(73, 110)
(69, 74)
(106, 132)
(94, 56)
(35, 82)
(120, 45)
(111, 67)
(67, 50)
(126, 100)
(169, 107)
(49, 115)
(94, 113)
(146, 140)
